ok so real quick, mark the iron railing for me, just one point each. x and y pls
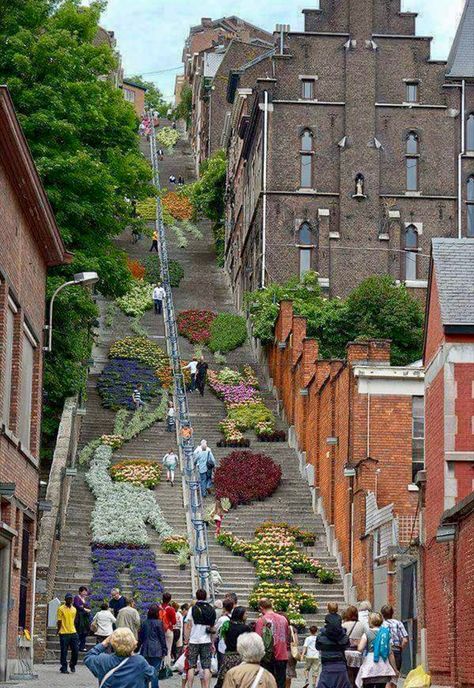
(199, 535)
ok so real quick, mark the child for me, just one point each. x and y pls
(170, 461)
(217, 514)
(137, 397)
(332, 616)
(312, 660)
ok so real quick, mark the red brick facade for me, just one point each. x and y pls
(30, 243)
(448, 538)
(352, 414)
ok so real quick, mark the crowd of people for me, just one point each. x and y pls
(359, 649)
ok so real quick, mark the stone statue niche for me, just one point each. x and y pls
(359, 187)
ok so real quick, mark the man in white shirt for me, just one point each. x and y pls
(158, 297)
(228, 606)
(192, 367)
(198, 637)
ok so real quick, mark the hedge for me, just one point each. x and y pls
(228, 331)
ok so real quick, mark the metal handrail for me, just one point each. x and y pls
(199, 544)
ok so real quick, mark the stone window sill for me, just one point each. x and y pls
(416, 284)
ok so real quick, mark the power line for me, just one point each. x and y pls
(162, 71)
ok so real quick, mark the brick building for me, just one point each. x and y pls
(448, 484)
(358, 426)
(108, 38)
(204, 49)
(344, 158)
(30, 244)
(135, 95)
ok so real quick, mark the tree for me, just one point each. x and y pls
(83, 138)
(153, 96)
(184, 108)
(207, 194)
(377, 308)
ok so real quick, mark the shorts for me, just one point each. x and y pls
(201, 650)
(312, 663)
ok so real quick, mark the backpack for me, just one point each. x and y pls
(204, 614)
(167, 625)
(382, 644)
(209, 462)
(268, 643)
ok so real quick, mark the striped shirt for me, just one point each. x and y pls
(397, 632)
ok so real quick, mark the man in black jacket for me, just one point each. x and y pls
(332, 642)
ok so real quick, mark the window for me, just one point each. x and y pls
(306, 245)
(26, 391)
(306, 159)
(7, 381)
(418, 435)
(412, 161)
(412, 92)
(411, 253)
(129, 95)
(470, 132)
(307, 89)
(470, 207)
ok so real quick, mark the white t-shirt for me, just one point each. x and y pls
(198, 635)
(310, 645)
(159, 293)
(192, 365)
(104, 620)
(221, 646)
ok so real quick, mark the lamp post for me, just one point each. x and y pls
(85, 279)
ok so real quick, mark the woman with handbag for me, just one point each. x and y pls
(230, 631)
(153, 642)
(121, 668)
(293, 656)
(103, 623)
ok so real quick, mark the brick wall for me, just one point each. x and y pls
(333, 406)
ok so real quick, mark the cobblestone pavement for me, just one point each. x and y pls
(49, 677)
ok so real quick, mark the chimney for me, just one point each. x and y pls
(206, 21)
(311, 19)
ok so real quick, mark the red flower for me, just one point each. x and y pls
(243, 477)
(195, 325)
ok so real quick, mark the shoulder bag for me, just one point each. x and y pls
(257, 678)
(112, 671)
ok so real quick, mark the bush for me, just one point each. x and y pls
(326, 576)
(228, 331)
(244, 477)
(195, 325)
(138, 300)
(120, 377)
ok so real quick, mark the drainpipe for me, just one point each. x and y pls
(461, 153)
(264, 209)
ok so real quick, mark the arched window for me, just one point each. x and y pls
(306, 242)
(306, 159)
(411, 158)
(411, 252)
(470, 206)
(470, 132)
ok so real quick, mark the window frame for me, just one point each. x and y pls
(470, 132)
(415, 85)
(411, 254)
(310, 83)
(305, 248)
(417, 441)
(8, 377)
(411, 161)
(470, 206)
(306, 154)
(27, 387)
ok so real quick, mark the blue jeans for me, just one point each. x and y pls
(155, 662)
(204, 483)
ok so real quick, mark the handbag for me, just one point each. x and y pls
(295, 653)
(164, 673)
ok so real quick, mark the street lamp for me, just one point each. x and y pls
(85, 279)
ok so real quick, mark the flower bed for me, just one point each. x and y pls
(153, 271)
(195, 325)
(114, 441)
(242, 443)
(137, 300)
(270, 436)
(121, 511)
(228, 332)
(178, 205)
(250, 414)
(141, 349)
(167, 137)
(137, 270)
(140, 564)
(120, 377)
(173, 544)
(244, 477)
(285, 597)
(137, 472)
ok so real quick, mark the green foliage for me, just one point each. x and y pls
(153, 273)
(219, 243)
(207, 194)
(137, 300)
(83, 138)
(184, 109)
(228, 331)
(153, 96)
(249, 415)
(137, 328)
(377, 308)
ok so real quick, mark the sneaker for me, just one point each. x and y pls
(73, 669)
(64, 671)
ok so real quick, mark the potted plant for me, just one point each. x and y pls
(183, 556)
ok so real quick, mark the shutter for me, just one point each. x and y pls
(26, 392)
(7, 381)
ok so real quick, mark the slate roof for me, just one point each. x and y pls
(453, 265)
(212, 62)
(461, 58)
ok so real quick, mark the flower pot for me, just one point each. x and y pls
(182, 567)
